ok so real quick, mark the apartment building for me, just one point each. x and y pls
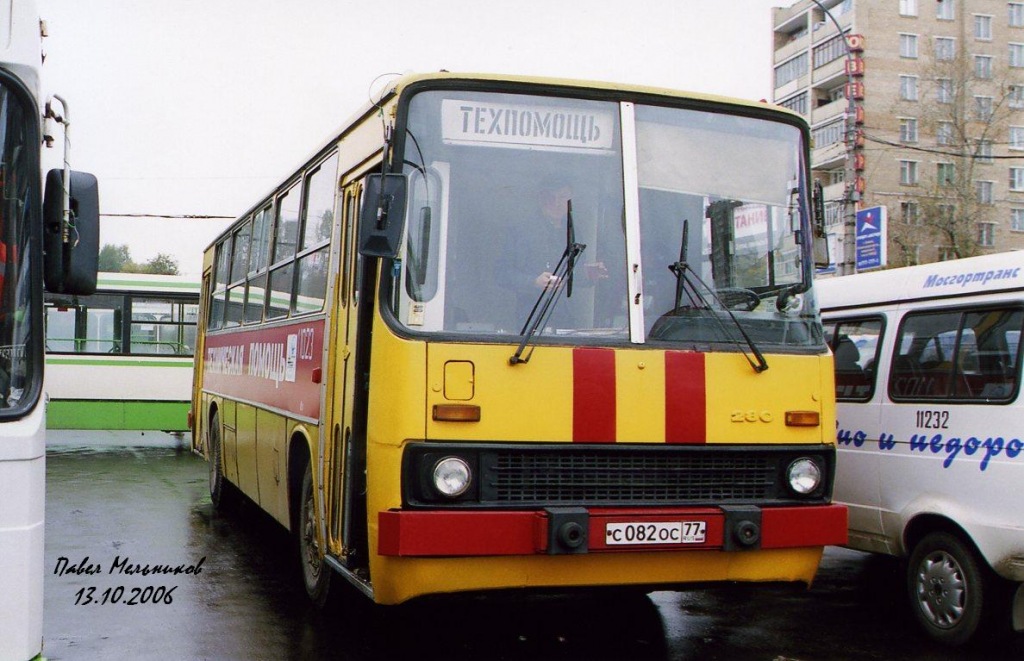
(934, 93)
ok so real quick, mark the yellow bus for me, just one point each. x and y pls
(505, 332)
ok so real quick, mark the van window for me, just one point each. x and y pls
(968, 354)
(854, 344)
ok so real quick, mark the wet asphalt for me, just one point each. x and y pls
(140, 566)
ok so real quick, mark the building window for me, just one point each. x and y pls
(1017, 220)
(908, 88)
(945, 174)
(947, 213)
(983, 108)
(1017, 55)
(1015, 96)
(908, 129)
(908, 7)
(830, 50)
(946, 254)
(913, 256)
(986, 235)
(944, 10)
(910, 213)
(908, 46)
(797, 104)
(1017, 137)
(944, 133)
(982, 27)
(1016, 14)
(985, 190)
(1017, 179)
(945, 48)
(983, 154)
(944, 90)
(983, 66)
(828, 134)
(837, 93)
(790, 70)
(836, 177)
(909, 175)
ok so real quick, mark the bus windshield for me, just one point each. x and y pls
(690, 221)
(19, 367)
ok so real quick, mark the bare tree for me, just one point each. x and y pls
(962, 111)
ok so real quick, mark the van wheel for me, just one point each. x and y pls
(219, 487)
(316, 575)
(947, 588)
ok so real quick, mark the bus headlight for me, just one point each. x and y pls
(452, 477)
(804, 476)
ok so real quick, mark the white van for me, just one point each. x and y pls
(931, 432)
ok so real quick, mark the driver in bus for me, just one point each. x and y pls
(534, 249)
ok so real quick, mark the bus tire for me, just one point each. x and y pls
(316, 575)
(220, 490)
(947, 587)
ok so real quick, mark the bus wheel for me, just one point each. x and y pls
(315, 574)
(946, 587)
(218, 485)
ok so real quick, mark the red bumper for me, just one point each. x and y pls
(471, 533)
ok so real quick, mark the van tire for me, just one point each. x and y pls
(948, 588)
(316, 575)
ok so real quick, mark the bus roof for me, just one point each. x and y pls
(400, 83)
(959, 277)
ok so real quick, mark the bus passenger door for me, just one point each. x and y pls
(341, 375)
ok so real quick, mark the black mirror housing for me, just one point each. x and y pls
(70, 267)
(381, 220)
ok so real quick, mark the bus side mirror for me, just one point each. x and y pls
(69, 266)
(819, 239)
(382, 216)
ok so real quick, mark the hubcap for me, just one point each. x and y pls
(941, 589)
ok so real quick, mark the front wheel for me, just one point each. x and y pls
(220, 490)
(947, 590)
(316, 575)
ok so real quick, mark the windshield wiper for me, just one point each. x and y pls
(561, 279)
(689, 285)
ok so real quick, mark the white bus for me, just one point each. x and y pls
(66, 225)
(930, 440)
(121, 358)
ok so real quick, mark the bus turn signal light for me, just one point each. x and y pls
(802, 419)
(457, 412)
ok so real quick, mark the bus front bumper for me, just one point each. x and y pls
(573, 530)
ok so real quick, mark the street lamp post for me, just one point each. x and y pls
(850, 194)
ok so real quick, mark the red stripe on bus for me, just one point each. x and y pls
(593, 396)
(685, 398)
(812, 525)
(461, 533)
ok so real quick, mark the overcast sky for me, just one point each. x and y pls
(198, 107)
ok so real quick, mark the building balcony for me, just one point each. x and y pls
(834, 192)
(792, 87)
(833, 70)
(828, 111)
(791, 49)
(786, 19)
(826, 28)
(828, 157)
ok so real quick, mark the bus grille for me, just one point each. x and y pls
(564, 475)
(580, 478)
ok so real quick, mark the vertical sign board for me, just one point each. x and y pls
(871, 238)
